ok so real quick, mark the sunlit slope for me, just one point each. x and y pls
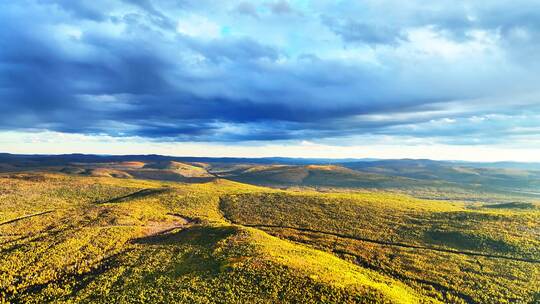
(161, 170)
(461, 253)
(395, 217)
(184, 169)
(103, 240)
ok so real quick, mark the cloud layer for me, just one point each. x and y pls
(454, 72)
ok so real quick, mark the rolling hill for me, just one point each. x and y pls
(101, 240)
(98, 239)
(312, 176)
(495, 182)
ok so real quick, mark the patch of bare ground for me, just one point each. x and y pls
(158, 228)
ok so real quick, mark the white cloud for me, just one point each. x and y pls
(431, 42)
(198, 26)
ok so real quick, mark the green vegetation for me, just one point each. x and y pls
(452, 251)
(72, 239)
(513, 205)
(85, 236)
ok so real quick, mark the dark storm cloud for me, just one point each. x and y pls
(169, 71)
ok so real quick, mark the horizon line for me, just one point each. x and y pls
(366, 159)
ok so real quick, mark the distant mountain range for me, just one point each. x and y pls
(91, 158)
(349, 162)
(421, 177)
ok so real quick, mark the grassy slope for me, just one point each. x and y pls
(94, 248)
(391, 218)
(166, 171)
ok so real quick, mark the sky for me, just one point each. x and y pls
(444, 79)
